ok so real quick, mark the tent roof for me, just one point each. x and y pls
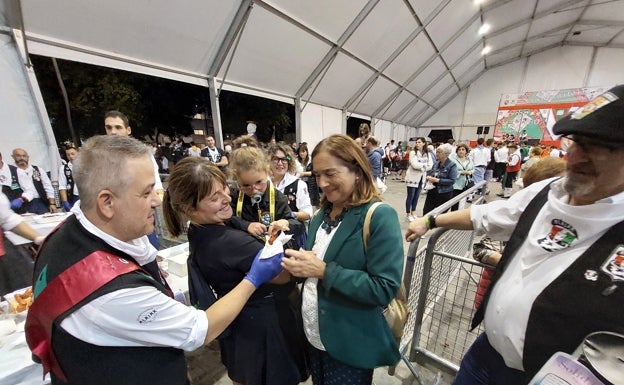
(399, 60)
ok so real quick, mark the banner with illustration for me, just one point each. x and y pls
(531, 115)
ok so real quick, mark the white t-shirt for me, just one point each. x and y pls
(558, 236)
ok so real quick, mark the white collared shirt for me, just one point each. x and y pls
(559, 235)
(27, 184)
(114, 319)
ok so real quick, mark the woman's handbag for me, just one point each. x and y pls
(397, 311)
(469, 182)
(381, 186)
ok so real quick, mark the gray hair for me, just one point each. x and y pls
(446, 148)
(101, 164)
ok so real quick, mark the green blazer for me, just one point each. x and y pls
(357, 285)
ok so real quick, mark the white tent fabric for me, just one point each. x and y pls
(411, 63)
(21, 126)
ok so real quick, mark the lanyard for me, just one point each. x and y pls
(241, 197)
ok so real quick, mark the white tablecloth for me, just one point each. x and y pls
(16, 364)
(41, 228)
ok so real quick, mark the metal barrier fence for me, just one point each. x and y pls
(442, 281)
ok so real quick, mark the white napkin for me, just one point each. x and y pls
(276, 248)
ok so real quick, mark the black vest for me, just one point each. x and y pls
(572, 305)
(85, 363)
(36, 178)
(70, 181)
(291, 193)
(13, 191)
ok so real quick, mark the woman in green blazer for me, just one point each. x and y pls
(348, 284)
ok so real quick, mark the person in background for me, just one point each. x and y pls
(555, 282)
(68, 190)
(419, 163)
(118, 322)
(404, 163)
(348, 281)
(545, 168)
(10, 185)
(480, 157)
(10, 279)
(117, 124)
(257, 204)
(443, 176)
(534, 157)
(307, 176)
(491, 166)
(514, 163)
(215, 154)
(296, 191)
(38, 193)
(465, 169)
(501, 156)
(193, 150)
(375, 155)
(262, 345)
(364, 131)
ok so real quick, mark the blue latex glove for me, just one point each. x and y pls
(16, 203)
(263, 270)
(67, 206)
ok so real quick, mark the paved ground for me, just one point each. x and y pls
(205, 367)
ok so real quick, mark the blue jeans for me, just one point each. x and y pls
(482, 365)
(412, 197)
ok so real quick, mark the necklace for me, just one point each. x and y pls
(328, 224)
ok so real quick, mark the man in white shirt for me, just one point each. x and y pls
(215, 154)
(102, 312)
(38, 193)
(559, 280)
(480, 156)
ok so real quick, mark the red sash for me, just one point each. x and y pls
(66, 290)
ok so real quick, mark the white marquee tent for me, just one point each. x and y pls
(409, 66)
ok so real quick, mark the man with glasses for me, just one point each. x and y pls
(561, 274)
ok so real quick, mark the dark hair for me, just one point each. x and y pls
(464, 146)
(351, 155)
(303, 147)
(480, 140)
(117, 114)
(191, 179)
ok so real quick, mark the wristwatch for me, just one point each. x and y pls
(431, 222)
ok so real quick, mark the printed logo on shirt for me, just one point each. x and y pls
(561, 236)
(147, 316)
(614, 265)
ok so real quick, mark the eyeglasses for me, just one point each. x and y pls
(276, 160)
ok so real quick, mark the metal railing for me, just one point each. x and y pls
(442, 280)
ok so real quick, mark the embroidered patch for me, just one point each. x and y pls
(614, 265)
(561, 236)
(591, 275)
(594, 105)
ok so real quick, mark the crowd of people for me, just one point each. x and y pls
(315, 307)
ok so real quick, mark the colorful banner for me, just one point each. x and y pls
(532, 115)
